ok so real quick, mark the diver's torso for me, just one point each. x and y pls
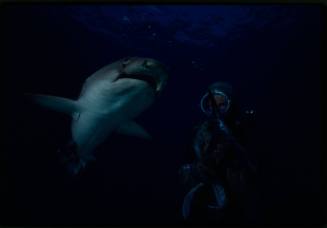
(215, 165)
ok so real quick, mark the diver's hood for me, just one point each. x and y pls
(218, 88)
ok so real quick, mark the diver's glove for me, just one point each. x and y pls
(189, 176)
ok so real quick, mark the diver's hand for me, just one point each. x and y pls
(186, 175)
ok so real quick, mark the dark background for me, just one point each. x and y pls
(272, 60)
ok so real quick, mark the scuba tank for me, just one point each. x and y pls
(206, 176)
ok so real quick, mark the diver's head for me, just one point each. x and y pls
(220, 93)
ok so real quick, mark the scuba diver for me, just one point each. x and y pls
(217, 180)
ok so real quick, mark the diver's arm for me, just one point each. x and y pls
(239, 149)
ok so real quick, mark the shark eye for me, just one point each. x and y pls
(125, 62)
(147, 64)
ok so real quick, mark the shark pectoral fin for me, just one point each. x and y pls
(133, 129)
(59, 104)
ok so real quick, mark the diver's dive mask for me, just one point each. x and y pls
(222, 102)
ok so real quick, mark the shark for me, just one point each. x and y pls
(109, 101)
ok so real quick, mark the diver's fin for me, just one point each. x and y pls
(133, 129)
(220, 196)
(188, 200)
(59, 104)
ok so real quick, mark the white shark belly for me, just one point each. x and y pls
(105, 111)
(127, 95)
(90, 129)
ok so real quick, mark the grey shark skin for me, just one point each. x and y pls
(109, 101)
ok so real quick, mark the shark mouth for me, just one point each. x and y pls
(147, 78)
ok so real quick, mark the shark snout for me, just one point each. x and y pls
(145, 69)
(159, 73)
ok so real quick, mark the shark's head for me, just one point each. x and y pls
(146, 69)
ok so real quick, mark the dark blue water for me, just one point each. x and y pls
(270, 54)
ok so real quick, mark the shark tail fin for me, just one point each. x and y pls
(59, 104)
(71, 159)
